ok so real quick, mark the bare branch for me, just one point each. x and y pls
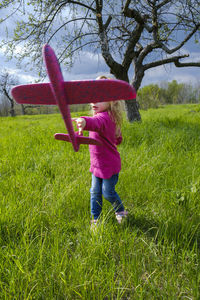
(187, 38)
(134, 14)
(163, 4)
(145, 51)
(108, 22)
(82, 46)
(80, 4)
(133, 40)
(189, 64)
(13, 13)
(64, 24)
(104, 41)
(164, 61)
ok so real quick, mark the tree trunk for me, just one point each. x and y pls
(131, 106)
(12, 110)
(132, 110)
(23, 109)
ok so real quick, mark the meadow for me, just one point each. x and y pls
(47, 250)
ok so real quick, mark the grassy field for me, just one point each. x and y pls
(47, 250)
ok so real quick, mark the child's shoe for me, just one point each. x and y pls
(120, 215)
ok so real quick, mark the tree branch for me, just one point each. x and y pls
(81, 46)
(104, 41)
(80, 4)
(134, 14)
(108, 22)
(14, 12)
(145, 51)
(133, 40)
(163, 3)
(154, 64)
(7, 95)
(170, 51)
(189, 64)
(63, 25)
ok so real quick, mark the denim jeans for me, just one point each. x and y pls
(105, 187)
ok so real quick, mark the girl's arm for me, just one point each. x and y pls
(95, 123)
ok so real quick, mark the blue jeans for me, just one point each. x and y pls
(105, 187)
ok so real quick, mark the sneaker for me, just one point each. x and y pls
(120, 215)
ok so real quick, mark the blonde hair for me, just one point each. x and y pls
(115, 111)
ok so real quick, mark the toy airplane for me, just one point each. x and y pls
(63, 93)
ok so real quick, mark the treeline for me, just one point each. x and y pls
(150, 96)
(8, 107)
(20, 109)
(154, 95)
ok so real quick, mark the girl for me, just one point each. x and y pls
(105, 162)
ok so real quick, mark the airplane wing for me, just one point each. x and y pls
(77, 92)
(39, 93)
(79, 139)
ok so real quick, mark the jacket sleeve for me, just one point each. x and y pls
(96, 123)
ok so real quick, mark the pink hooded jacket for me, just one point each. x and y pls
(105, 159)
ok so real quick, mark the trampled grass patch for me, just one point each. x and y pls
(47, 250)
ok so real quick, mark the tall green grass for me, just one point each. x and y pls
(47, 250)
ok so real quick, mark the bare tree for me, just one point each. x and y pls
(4, 106)
(142, 34)
(7, 81)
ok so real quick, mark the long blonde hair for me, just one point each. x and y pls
(115, 111)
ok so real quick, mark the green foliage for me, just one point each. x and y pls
(152, 96)
(173, 92)
(148, 96)
(47, 250)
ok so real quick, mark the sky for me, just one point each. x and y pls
(89, 66)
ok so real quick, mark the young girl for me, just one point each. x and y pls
(105, 162)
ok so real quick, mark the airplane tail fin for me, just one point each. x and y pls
(79, 139)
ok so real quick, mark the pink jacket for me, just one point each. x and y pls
(104, 160)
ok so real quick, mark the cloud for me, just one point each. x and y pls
(169, 73)
(87, 66)
(193, 57)
(11, 67)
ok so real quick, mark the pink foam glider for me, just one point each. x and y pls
(63, 93)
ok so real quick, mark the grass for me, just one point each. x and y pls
(47, 250)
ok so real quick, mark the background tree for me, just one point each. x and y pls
(7, 81)
(149, 96)
(4, 106)
(153, 95)
(174, 94)
(142, 34)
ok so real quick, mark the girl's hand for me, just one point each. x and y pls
(80, 123)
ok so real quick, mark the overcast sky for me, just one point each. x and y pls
(90, 65)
